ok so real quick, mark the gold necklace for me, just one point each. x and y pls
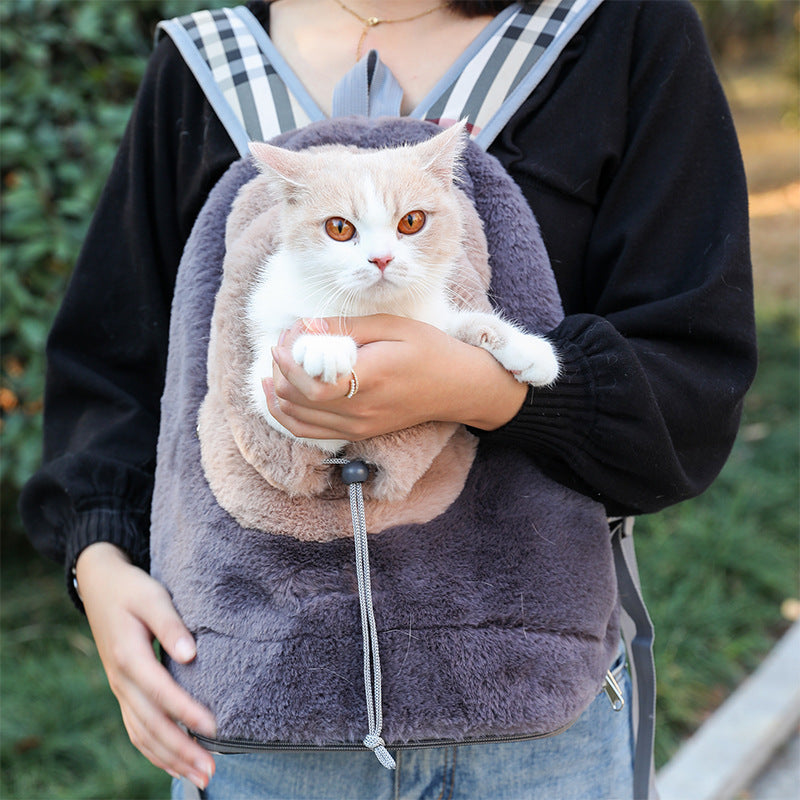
(372, 22)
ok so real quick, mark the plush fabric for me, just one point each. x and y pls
(498, 616)
(271, 482)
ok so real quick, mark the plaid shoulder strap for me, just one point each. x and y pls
(489, 85)
(257, 96)
(246, 80)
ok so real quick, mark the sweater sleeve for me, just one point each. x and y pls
(658, 345)
(107, 349)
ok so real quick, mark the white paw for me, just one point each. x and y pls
(325, 357)
(531, 359)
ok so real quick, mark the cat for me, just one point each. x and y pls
(367, 232)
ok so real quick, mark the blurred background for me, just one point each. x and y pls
(720, 572)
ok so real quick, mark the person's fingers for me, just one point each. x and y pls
(160, 617)
(152, 704)
(163, 742)
(288, 337)
(127, 609)
(369, 329)
(312, 422)
(289, 376)
(141, 675)
(388, 364)
(155, 616)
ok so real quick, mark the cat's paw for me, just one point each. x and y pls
(325, 357)
(530, 359)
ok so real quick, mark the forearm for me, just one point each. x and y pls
(650, 250)
(480, 393)
(107, 350)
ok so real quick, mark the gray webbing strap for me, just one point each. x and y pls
(638, 633)
(488, 86)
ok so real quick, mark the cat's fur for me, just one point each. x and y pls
(378, 270)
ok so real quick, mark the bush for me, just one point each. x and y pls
(69, 72)
(732, 24)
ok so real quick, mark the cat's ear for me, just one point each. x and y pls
(286, 167)
(441, 154)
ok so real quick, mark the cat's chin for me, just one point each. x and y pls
(384, 300)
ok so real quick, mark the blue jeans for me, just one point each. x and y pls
(592, 760)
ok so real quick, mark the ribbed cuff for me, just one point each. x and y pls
(123, 529)
(556, 417)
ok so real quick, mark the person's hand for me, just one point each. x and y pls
(127, 610)
(408, 373)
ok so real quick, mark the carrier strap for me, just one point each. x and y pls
(257, 96)
(245, 79)
(638, 633)
(489, 85)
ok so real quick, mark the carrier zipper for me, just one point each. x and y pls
(231, 746)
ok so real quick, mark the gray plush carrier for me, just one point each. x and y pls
(496, 618)
(499, 617)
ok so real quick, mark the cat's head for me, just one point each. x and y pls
(377, 228)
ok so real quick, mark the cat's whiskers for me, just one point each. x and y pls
(457, 296)
(326, 297)
(336, 301)
(461, 294)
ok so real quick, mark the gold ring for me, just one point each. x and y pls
(353, 384)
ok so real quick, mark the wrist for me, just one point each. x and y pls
(94, 556)
(124, 529)
(493, 397)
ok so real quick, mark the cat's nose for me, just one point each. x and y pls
(381, 262)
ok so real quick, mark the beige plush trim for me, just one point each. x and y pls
(270, 482)
(250, 499)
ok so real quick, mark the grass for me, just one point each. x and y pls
(61, 730)
(716, 570)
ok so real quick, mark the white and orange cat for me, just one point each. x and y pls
(368, 232)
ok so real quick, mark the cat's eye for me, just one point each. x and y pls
(411, 222)
(340, 229)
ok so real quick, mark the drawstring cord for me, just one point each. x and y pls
(354, 473)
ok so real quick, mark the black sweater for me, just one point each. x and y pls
(627, 155)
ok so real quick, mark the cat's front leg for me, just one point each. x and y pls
(325, 356)
(528, 357)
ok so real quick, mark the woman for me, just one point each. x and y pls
(625, 152)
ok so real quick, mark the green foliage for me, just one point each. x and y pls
(730, 22)
(62, 734)
(68, 72)
(716, 569)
